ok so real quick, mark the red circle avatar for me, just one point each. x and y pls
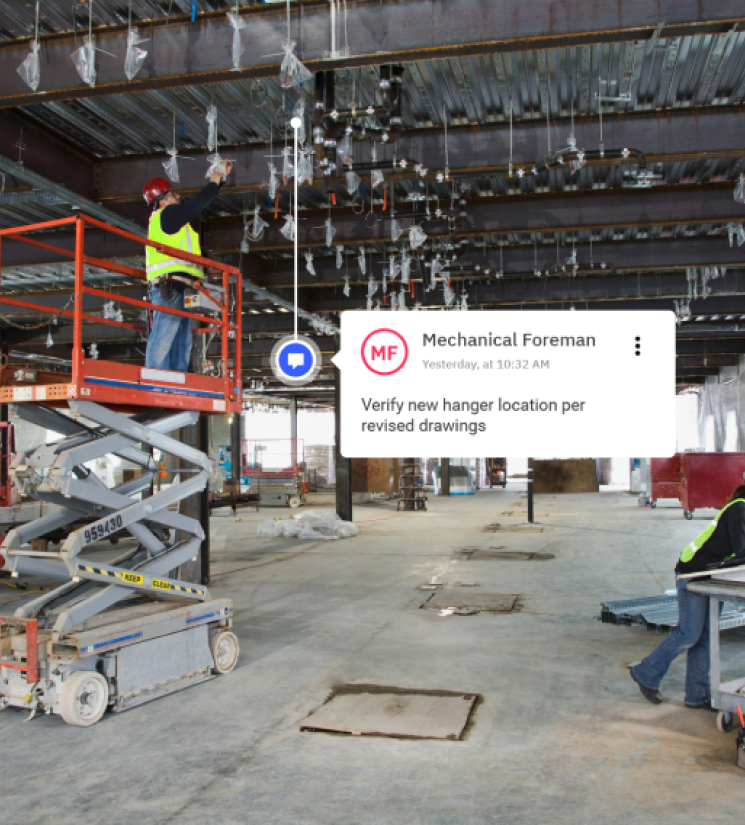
(384, 351)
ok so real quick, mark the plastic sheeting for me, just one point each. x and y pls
(273, 181)
(417, 236)
(339, 257)
(288, 230)
(309, 263)
(171, 165)
(330, 231)
(29, 70)
(237, 23)
(84, 58)
(396, 230)
(135, 55)
(292, 72)
(721, 410)
(211, 118)
(353, 182)
(312, 525)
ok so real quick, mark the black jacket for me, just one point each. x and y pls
(728, 539)
(175, 217)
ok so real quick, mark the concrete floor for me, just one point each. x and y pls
(562, 734)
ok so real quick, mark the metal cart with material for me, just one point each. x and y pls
(726, 697)
(116, 628)
(276, 470)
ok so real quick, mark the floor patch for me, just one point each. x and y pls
(405, 714)
(498, 554)
(477, 602)
(512, 528)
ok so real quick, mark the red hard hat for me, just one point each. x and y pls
(155, 189)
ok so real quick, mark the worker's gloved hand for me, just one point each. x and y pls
(219, 177)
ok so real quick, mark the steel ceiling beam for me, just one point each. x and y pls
(683, 135)
(184, 53)
(658, 255)
(517, 214)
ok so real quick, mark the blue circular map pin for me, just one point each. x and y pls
(296, 361)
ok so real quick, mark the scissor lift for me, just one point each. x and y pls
(116, 631)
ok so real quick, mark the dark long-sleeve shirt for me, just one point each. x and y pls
(728, 539)
(177, 215)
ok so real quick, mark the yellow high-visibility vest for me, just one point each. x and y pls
(157, 263)
(690, 550)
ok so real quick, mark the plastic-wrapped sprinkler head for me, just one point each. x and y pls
(256, 227)
(309, 264)
(84, 58)
(273, 181)
(29, 70)
(292, 72)
(211, 118)
(396, 230)
(464, 302)
(384, 282)
(577, 163)
(245, 247)
(417, 237)
(237, 23)
(405, 268)
(372, 287)
(93, 352)
(215, 164)
(394, 269)
(353, 182)
(448, 294)
(135, 55)
(171, 165)
(344, 151)
(361, 262)
(305, 167)
(740, 235)
(288, 230)
(330, 231)
(347, 288)
(394, 302)
(731, 232)
(50, 340)
(402, 300)
(369, 303)
(287, 169)
(377, 178)
(339, 257)
(739, 193)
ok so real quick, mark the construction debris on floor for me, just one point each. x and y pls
(661, 613)
(319, 525)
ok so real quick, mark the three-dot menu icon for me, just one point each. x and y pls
(638, 345)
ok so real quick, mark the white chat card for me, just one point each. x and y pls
(560, 384)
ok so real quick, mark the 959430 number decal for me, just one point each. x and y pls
(102, 529)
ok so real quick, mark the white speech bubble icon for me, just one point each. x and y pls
(296, 359)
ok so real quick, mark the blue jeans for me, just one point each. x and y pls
(169, 342)
(691, 634)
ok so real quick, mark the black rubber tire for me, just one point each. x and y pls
(653, 504)
(688, 514)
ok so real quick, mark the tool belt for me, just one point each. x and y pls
(173, 280)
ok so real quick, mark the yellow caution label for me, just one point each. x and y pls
(132, 578)
(159, 584)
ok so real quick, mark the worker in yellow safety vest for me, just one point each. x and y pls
(172, 223)
(721, 544)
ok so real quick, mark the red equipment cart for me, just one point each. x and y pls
(697, 479)
(708, 479)
(665, 478)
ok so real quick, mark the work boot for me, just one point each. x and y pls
(703, 706)
(654, 696)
